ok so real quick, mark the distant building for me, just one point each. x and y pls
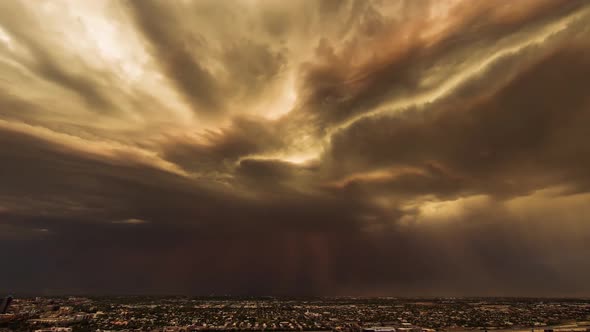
(379, 329)
(5, 304)
(55, 329)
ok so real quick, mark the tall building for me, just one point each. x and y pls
(5, 303)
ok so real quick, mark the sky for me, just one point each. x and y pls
(308, 147)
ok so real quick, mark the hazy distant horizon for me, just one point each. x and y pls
(57, 294)
(292, 297)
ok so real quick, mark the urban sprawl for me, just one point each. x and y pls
(280, 314)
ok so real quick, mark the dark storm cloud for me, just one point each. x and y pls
(252, 65)
(220, 150)
(63, 181)
(526, 135)
(338, 88)
(172, 47)
(46, 64)
(70, 200)
(217, 73)
(86, 88)
(300, 148)
(273, 177)
(16, 108)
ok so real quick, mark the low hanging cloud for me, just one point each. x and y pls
(301, 148)
(130, 221)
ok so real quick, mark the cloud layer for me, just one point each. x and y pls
(303, 148)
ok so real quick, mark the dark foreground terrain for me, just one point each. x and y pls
(274, 314)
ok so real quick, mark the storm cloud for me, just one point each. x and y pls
(295, 148)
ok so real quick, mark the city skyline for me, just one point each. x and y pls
(300, 148)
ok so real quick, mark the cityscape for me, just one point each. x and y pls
(169, 314)
(295, 165)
